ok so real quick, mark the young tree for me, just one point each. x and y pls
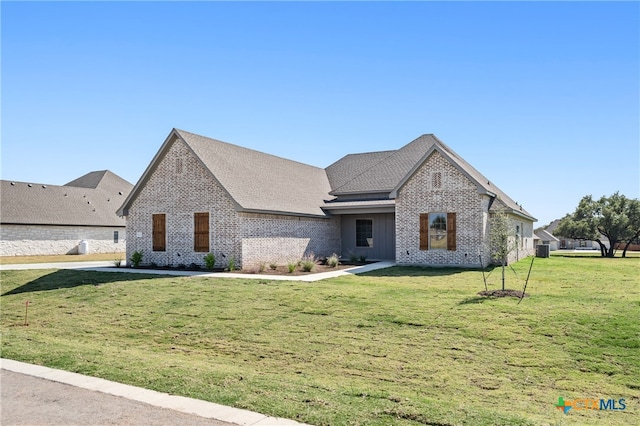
(614, 217)
(502, 237)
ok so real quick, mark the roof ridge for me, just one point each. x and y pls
(392, 153)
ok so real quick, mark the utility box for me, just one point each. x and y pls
(542, 250)
(83, 247)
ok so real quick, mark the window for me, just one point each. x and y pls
(201, 232)
(115, 237)
(159, 232)
(437, 231)
(364, 233)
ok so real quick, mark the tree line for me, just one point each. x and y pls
(615, 217)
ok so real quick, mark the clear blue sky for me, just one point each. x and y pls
(542, 97)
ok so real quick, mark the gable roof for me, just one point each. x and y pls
(378, 171)
(387, 171)
(260, 182)
(255, 181)
(545, 235)
(90, 200)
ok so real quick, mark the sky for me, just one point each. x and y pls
(543, 98)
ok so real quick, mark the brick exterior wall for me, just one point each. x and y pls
(181, 186)
(40, 240)
(455, 194)
(438, 186)
(281, 239)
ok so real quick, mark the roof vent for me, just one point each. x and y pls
(119, 192)
(29, 185)
(44, 186)
(13, 184)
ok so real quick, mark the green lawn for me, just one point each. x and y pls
(402, 346)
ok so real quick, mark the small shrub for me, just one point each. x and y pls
(353, 258)
(261, 266)
(291, 266)
(363, 259)
(308, 263)
(210, 261)
(154, 265)
(136, 258)
(117, 263)
(273, 266)
(333, 260)
(194, 266)
(231, 265)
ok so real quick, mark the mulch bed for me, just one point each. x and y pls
(280, 270)
(283, 270)
(503, 293)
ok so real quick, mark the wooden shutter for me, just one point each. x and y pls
(201, 232)
(424, 231)
(159, 232)
(451, 231)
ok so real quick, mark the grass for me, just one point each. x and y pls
(591, 253)
(6, 260)
(402, 346)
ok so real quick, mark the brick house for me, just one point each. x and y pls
(419, 205)
(43, 219)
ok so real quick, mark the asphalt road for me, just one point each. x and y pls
(33, 401)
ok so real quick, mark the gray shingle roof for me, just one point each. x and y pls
(379, 171)
(545, 235)
(387, 171)
(255, 181)
(91, 200)
(261, 182)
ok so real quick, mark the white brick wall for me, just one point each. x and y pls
(35, 240)
(456, 194)
(249, 238)
(280, 239)
(179, 195)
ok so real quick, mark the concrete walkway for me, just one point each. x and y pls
(57, 265)
(108, 267)
(36, 395)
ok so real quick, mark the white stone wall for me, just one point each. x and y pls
(181, 186)
(456, 194)
(281, 239)
(36, 240)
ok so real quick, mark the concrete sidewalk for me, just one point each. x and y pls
(57, 265)
(108, 267)
(33, 394)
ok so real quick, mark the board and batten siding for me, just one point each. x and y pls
(384, 236)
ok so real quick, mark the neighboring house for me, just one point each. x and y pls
(42, 219)
(545, 237)
(573, 244)
(419, 205)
